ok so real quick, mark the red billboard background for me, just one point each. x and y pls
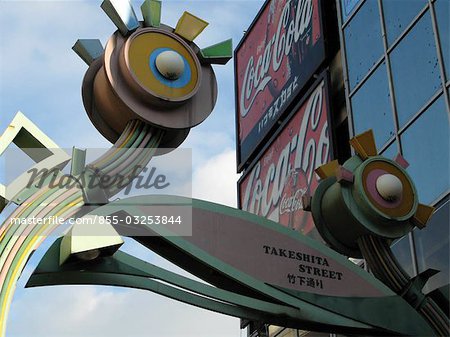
(279, 54)
(273, 187)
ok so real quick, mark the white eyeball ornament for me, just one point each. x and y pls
(389, 187)
(170, 64)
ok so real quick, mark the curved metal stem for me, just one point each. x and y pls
(18, 241)
(387, 269)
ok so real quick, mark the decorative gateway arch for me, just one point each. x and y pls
(144, 92)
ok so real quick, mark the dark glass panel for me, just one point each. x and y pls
(426, 147)
(442, 10)
(398, 14)
(363, 43)
(371, 107)
(348, 6)
(432, 247)
(415, 69)
(391, 151)
(402, 251)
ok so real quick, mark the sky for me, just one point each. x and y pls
(41, 76)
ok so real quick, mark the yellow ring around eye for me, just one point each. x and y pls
(138, 56)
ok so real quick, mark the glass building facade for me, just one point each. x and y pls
(396, 70)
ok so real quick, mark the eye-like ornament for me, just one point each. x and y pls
(389, 187)
(367, 195)
(150, 71)
(170, 64)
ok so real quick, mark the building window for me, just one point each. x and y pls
(348, 6)
(364, 46)
(426, 147)
(432, 247)
(371, 106)
(410, 77)
(391, 151)
(402, 251)
(415, 69)
(442, 10)
(398, 14)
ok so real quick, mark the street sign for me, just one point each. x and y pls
(278, 266)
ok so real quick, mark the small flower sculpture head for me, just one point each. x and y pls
(367, 195)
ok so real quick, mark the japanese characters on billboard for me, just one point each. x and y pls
(273, 187)
(277, 57)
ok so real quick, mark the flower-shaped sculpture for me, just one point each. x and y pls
(368, 195)
(361, 207)
(143, 92)
(151, 72)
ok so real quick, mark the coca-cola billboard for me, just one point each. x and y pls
(273, 187)
(279, 54)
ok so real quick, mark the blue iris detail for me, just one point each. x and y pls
(178, 83)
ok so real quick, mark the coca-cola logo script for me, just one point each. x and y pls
(285, 172)
(277, 57)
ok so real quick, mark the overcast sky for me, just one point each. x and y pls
(41, 76)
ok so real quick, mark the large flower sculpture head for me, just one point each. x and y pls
(150, 71)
